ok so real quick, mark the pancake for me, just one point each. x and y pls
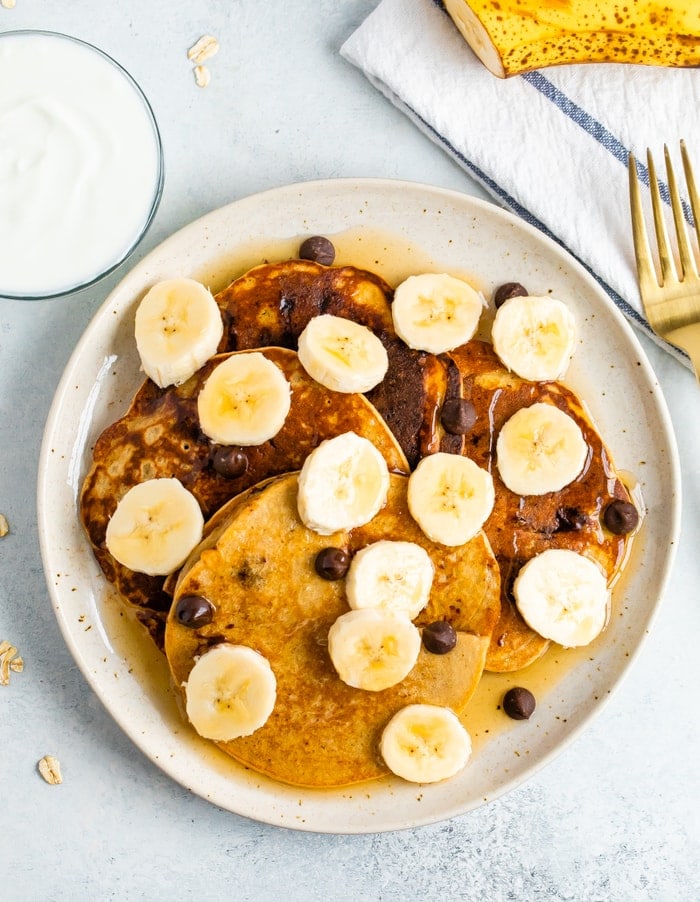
(272, 303)
(159, 436)
(521, 527)
(258, 571)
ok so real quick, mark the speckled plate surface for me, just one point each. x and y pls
(395, 228)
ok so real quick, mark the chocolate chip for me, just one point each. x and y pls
(458, 416)
(193, 611)
(620, 517)
(230, 462)
(332, 563)
(439, 637)
(570, 519)
(507, 291)
(519, 703)
(318, 249)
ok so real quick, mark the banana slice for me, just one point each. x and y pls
(535, 337)
(155, 527)
(436, 312)
(425, 744)
(563, 596)
(450, 497)
(391, 575)
(343, 484)
(373, 649)
(245, 400)
(342, 355)
(540, 449)
(178, 328)
(230, 692)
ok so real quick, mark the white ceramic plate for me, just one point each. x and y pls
(395, 228)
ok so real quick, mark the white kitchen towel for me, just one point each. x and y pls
(550, 145)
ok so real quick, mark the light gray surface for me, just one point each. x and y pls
(614, 817)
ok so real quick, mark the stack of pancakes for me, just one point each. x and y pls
(272, 303)
(256, 560)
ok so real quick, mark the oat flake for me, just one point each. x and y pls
(202, 76)
(50, 769)
(9, 660)
(206, 47)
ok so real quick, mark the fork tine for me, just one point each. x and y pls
(668, 268)
(671, 302)
(692, 189)
(645, 267)
(684, 251)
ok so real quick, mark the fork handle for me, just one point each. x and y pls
(688, 338)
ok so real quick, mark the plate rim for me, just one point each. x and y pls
(552, 248)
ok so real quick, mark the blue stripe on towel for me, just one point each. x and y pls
(598, 131)
(578, 115)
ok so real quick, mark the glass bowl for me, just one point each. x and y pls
(81, 164)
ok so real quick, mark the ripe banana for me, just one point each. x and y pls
(245, 400)
(435, 312)
(343, 484)
(230, 692)
(540, 449)
(178, 328)
(425, 744)
(450, 497)
(391, 575)
(373, 649)
(514, 36)
(341, 354)
(563, 596)
(155, 527)
(535, 337)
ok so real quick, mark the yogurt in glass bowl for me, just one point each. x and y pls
(81, 164)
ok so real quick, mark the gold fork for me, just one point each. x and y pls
(671, 302)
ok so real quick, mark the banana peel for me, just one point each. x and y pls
(515, 36)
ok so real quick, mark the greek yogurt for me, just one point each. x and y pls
(80, 164)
